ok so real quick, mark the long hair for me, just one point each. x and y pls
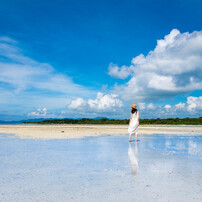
(133, 111)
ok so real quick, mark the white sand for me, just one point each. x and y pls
(79, 131)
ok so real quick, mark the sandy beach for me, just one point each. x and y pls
(79, 131)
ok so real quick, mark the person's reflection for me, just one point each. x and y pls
(133, 159)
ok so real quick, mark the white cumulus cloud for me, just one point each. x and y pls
(192, 107)
(77, 103)
(167, 106)
(142, 105)
(151, 106)
(121, 73)
(39, 113)
(108, 102)
(194, 104)
(180, 105)
(172, 68)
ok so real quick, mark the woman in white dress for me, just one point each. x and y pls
(134, 122)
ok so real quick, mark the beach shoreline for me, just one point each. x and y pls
(36, 131)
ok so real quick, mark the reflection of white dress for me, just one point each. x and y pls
(133, 127)
(133, 159)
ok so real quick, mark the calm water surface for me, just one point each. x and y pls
(105, 168)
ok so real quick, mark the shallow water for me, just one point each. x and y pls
(105, 168)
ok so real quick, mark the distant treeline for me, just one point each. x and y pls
(170, 121)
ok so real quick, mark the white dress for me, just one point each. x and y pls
(133, 127)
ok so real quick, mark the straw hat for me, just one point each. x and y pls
(133, 106)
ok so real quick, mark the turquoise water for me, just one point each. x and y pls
(105, 168)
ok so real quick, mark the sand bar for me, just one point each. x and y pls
(79, 131)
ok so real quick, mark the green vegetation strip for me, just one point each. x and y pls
(169, 121)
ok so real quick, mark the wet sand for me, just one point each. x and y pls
(79, 131)
(102, 169)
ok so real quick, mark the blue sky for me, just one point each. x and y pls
(94, 58)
